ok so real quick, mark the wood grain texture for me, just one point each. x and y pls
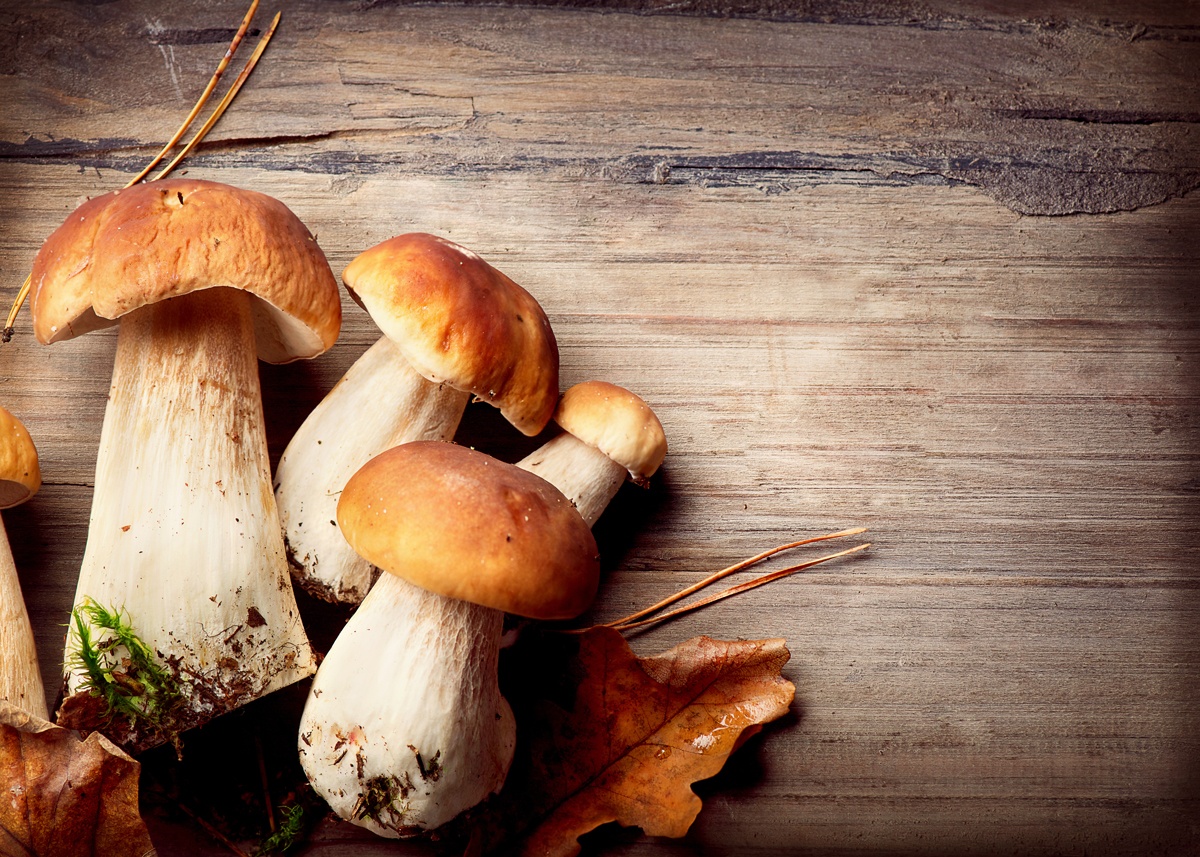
(815, 241)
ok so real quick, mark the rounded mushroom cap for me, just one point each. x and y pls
(20, 476)
(164, 239)
(617, 423)
(459, 321)
(465, 525)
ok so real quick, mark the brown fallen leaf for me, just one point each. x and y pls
(61, 796)
(636, 735)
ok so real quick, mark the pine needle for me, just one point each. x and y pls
(735, 590)
(725, 572)
(227, 100)
(7, 334)
(204, 96)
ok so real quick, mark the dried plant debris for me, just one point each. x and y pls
(66, 797)
(619, 738)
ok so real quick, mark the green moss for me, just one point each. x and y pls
(288, 836)
(120, 668)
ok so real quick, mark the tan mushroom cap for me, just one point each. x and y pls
(20, 476)
(465, 525)
(460, 321)
(131, 248)
(616, 422)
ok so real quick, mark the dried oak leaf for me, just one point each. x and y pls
(61, 796)
(637, 734)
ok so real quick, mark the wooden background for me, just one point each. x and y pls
(927, 268)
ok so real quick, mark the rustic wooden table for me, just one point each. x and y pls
(926, 268)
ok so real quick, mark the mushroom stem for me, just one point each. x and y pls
(584, 474)
(20, 679)
(184, 535)
(381, 402)
(456, 732)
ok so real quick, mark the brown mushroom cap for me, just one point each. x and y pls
(465, 525)
(616, 422)
(20, 476)
(459, 321)
(164, 239)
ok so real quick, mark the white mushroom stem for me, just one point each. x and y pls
(381, 402)
(184, 535)
(416, 672)
(405, 726)
(20, 679)
(584, 474)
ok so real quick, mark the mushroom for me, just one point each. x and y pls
(184, 536)
(609, 433)
(405, 726)
(453, 327)
(412, 676)
(20, 478)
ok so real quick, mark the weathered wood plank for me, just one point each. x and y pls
(788, 237)
(1049, 116)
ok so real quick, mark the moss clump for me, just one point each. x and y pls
(118, 667)
(289, 835)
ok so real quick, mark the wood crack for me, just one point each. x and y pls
(176, 36)
(855, 13)
(1035, 183)
(1102, 117)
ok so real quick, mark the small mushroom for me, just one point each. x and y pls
(609, 434)
(405, 726)
(20, 478)
(454, 327)
(184, 535)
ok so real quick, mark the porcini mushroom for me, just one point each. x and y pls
(405, 726)
(20, 478)
(184, 535)
(453, 327)
(377, 686)
(609, 434)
